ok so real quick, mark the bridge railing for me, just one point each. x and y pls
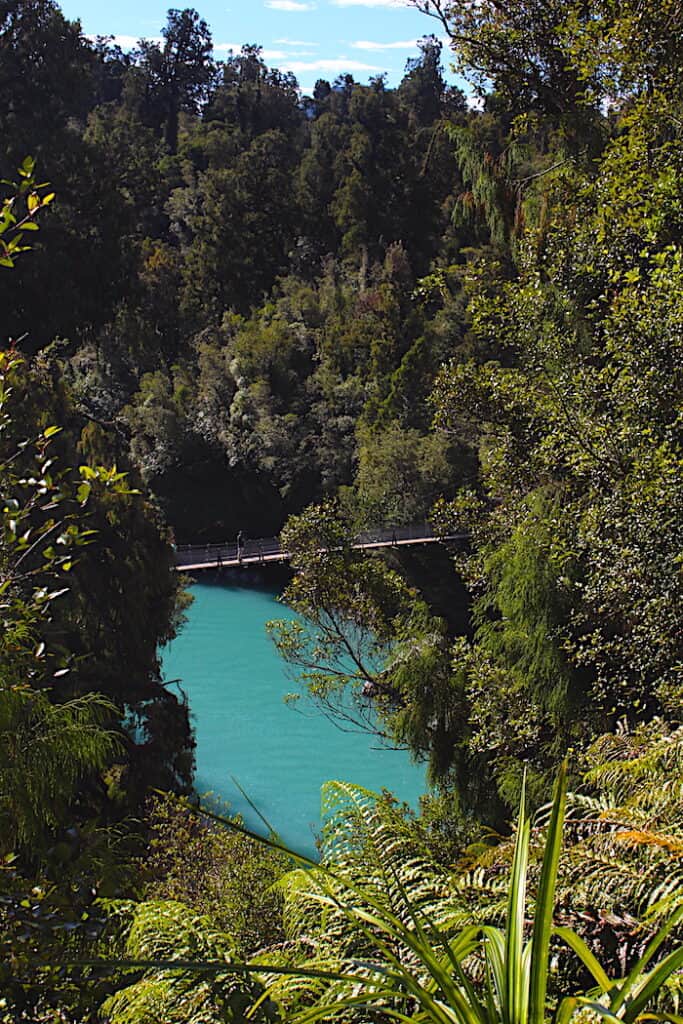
(219, 554)
(395, 534)
(268, 548)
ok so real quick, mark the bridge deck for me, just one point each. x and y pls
(267, 550)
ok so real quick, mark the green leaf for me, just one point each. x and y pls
(588, 959)
(636, 973)
(565, 1010)
(653, 983)
(665, 1018)
(545, 903)
(514, 931)
(83, 493)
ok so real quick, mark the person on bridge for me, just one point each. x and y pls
(240, 545)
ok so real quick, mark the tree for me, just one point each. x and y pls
(44, 114)
(253, 98)
(43, 522)
(367, 650)
(46, 751)
(68, 734)
(79, 610)
(237, 223)
(38, 518)
(578, 607)
(180, 73)
(222, 874)
(518, 49)
(402, 473)
(34, 34)
(53, 752)
(423, 87)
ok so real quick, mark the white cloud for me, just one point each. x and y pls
(337, 65)
(266, 54)
(294, 42)
(404, 44)
(289, 5)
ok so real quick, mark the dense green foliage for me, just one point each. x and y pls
(258, 301)
(363, 308)
(381, 924)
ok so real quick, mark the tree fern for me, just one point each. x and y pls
(379, 930)
(45, 751)
(629, 849)
(161, 932)
(368, 844)
(479, 974)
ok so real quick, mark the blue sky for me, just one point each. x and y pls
(313, 38)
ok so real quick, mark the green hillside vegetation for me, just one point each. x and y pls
(368, 307)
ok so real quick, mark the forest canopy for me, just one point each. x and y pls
(321, 314)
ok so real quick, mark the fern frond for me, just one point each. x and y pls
(164, 932)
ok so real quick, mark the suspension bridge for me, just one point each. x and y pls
(268, 550)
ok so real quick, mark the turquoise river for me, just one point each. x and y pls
(280, 755)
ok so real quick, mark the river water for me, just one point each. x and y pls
(280, 756)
